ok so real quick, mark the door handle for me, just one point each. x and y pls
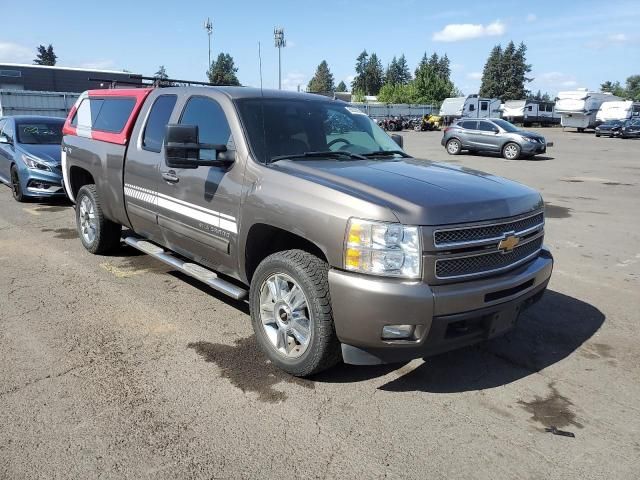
(170, 177)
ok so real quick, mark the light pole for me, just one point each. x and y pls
(208, 26)
(280, 43)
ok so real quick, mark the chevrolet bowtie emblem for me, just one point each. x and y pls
(508, 243)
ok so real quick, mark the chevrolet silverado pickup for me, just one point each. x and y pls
(345, 247)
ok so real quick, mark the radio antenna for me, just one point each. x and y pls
(260, 63)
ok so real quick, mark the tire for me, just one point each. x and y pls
(511, 151)
(97, 234)
(454, 147)
(597, 135)
(275, 327)
(16, 187)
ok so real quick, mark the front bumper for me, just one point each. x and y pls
(446, 316)
(36, 183)
(531, 148)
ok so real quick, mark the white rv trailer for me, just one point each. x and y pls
(528, 112)
(578, 108)
(471, 106)
(622, 110)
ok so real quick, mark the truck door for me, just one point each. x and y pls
(142, 168)
(198, 208)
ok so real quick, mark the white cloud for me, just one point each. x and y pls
(293, 79)
(618, 37)
(532, 17)
(474, 75)
(553, 81)
(14, 53)
(455, 32)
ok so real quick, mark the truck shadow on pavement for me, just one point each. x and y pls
(545, 334)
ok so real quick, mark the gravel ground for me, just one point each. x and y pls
(116, 367)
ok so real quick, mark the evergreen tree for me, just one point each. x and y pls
(516, 72)
(444, 67)
(342, 87)
(374, 74)
(223, 71)
(404, 74)
(45, 56)
(423, 62)
(391, 77)
(492, 75)
(322, 81)
(430, 86)
(633, 87)
(161, 74)
(359, 83)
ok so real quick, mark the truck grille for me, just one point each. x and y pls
(486, 263)
(457, 236)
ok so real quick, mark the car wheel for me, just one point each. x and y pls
(454, 147)
(98, 234)
(16, 187)
(291, 312)
(511, 151)
(597, 135)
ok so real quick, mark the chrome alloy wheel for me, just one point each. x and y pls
(284, 314)
(511, 152)
(453, 147)
(88, 223)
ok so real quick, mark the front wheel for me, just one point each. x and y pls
(511, 151)
(597, 135)
(454, 147)
(291, 312)
(16, 186)
(98, 234)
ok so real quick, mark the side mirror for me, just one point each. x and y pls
(398, 139)
(496, 130)
(182, 149)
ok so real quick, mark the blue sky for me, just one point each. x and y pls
(571, 44)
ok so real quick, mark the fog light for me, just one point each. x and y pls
(396, 332)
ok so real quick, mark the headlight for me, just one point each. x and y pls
(386, 249)
(532, 140)
(35, 164)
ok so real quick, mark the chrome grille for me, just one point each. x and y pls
(495, 231)
(486, 263)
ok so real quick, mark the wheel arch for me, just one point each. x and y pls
(78, 178)
(264, 239)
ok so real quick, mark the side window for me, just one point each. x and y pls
(7, 130)
(104, 114)
(87, 113)
(470, 124)
(212, 123)
(114, 114)
(157, 122)
(484, 106)
(485, 126)
(472, 108)
(530, 108)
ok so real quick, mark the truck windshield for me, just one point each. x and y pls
(278, 128)
(45, 133)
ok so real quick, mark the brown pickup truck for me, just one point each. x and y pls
(345, 246)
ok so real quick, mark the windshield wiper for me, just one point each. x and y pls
(327, 154)
(386, 153)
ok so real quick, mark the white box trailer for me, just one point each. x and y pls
(471, 106)
(578, 108)
(528, 112)
(622, 110)
(28, 102)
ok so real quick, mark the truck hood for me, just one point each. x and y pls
(421, 192)
(50, 154)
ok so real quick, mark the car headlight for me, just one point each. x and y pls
(385, 249)
(532, 140)
(35, 164)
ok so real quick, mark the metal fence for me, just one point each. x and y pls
(375, 110)
(27, 102)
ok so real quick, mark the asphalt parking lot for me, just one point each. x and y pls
(116, 367)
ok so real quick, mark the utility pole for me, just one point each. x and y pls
(208, 26)
(280, 43)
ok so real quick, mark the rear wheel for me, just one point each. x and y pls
(511, 151)
(16, 187)
(98, 234)
(454, 147)
(291, 312)
(597, 135)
